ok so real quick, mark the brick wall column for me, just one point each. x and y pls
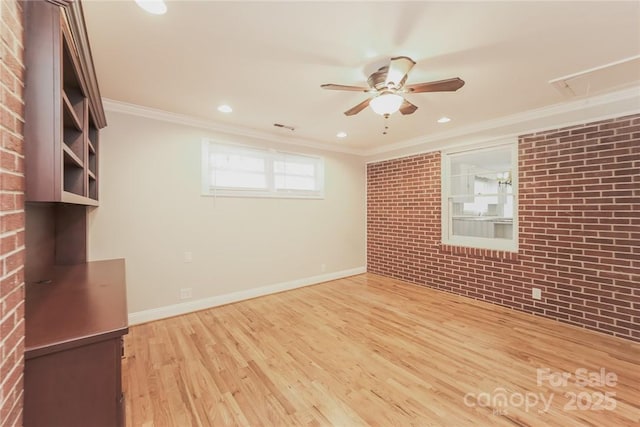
(12, 222)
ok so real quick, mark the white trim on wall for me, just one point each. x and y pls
(614, 103)
(204, 303)
(562, 114)
(183, 119)
(517, 125)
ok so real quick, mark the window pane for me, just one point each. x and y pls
(253, 172)
(238, 179)
(236, 167)
(480, 198)
(238, 162)
(295, 173)
(288, 182)
(294, 168)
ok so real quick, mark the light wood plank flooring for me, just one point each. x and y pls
(369, 350)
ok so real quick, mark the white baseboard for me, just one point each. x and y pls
(204, 303)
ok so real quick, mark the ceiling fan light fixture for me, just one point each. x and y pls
(444, 119)
(386, 103)
(155, 7)
(388, 82)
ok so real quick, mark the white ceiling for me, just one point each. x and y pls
(268, 59)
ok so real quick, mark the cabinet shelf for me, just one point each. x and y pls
(70, 157)
(68, 197)
(70, 116)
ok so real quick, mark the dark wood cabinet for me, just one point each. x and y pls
(63, 109)
(75, 322)
(76, 311)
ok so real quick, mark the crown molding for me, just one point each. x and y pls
(75, 25)
(529, 121)
(602, 107)
(183, 119)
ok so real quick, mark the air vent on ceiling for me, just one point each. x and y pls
(610, 77)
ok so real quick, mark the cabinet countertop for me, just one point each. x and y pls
(83, 303)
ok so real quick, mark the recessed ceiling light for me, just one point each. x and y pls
(341, 134)
(156, 7)
(225, 109)
(444, 120)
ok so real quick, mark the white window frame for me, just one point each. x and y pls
(509, 245)
(270, 156)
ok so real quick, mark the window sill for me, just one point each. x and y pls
(479, 253)
(262, 195)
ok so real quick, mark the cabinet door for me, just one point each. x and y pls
(78, 387)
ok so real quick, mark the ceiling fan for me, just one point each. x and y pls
(388, 86)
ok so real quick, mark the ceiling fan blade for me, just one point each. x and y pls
(399, 67)
(448, 85)
(407, 108)
(355, 110)
(331, 86)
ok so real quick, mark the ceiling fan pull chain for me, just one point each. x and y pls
(386, 127)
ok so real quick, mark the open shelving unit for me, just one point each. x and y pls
(74, 130)
(64, 169)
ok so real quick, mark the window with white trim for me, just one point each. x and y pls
(234, 170)
(479, 197)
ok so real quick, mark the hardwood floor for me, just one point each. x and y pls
(372, 350)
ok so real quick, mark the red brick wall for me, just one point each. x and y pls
(11, 213)
(579, 229)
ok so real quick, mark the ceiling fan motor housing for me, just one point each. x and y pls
(378, 79)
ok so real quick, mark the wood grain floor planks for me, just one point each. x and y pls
(369, 350)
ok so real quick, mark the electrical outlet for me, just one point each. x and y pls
(188, 256)
(536, 293)
(323, 267)
(185, 293)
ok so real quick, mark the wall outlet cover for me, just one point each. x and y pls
(536, 293)
(185, 293)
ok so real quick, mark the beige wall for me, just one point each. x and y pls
(151, 213)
